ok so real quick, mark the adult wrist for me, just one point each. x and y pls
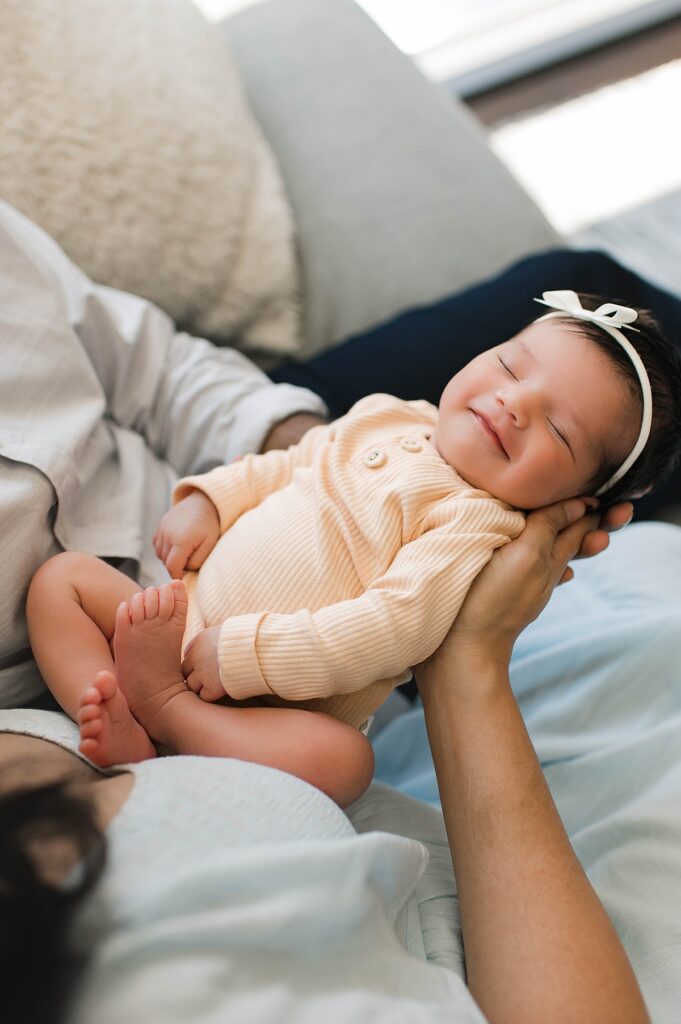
(465, 670)
(290, 430)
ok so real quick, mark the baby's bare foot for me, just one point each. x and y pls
(108, 732)
(147, 651)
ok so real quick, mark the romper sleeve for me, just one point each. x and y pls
(400, 619)
(242, 485)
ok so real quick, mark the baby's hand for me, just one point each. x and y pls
(200, 665)
(187, 534)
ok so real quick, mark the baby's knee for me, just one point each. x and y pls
(58, 573)
(348, 763)
(363, 772)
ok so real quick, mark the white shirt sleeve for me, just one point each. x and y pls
(195, 404)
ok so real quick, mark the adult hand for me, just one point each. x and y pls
(612, 519)
(289, 431)
(515, 585)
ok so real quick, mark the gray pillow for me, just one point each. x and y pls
(397, 196)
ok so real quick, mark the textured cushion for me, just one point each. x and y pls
(397, 196)
(126, 134)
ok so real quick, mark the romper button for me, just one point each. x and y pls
(375, 457)
(411, 444)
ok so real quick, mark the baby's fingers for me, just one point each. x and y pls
(198, 557)
(194, 682)
(176, 560)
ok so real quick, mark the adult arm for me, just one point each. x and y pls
(539, 945)
(196, 405)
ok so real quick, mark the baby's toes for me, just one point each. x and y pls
(90, 698)
(136, 608)
(88, 747)
(151, 602)
(88, 712)
(88, 730)
(166, 601)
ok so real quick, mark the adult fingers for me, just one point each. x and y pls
(545, 524)
(611, 520)
(593, 543)
(569, 541)
(556, 533)
(617, 516)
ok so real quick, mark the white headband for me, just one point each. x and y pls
(610, 317)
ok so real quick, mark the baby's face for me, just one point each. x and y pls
(534, 419)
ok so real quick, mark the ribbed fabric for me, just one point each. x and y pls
(338, 568)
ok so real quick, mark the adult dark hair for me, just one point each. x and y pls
(662, 361)
(39, 963)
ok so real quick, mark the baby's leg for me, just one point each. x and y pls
(71, 611)
(327, 753)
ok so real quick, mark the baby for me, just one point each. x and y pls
(315, 577)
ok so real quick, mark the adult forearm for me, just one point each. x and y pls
(539, 945)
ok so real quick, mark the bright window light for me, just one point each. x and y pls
(600, 154)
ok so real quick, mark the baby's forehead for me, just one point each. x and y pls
(602, 399)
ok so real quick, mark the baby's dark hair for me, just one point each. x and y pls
(662, 361)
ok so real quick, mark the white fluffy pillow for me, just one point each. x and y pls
(126, 135)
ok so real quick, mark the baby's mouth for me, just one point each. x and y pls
(489, 430)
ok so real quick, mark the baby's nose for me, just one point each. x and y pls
(517, 404)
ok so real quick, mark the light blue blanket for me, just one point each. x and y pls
(598, 678)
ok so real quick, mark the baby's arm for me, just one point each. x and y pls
(205, 506)
(398, 621)
(240, 486)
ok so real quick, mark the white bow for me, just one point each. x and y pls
(611, 318)
(607, 315)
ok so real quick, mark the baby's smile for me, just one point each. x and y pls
(537, 418)
(494, 433)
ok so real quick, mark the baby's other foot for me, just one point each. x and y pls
(148, 651)
(108, 732)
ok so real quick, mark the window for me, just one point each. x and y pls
(478, 44)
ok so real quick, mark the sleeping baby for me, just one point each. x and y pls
(314, 578)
